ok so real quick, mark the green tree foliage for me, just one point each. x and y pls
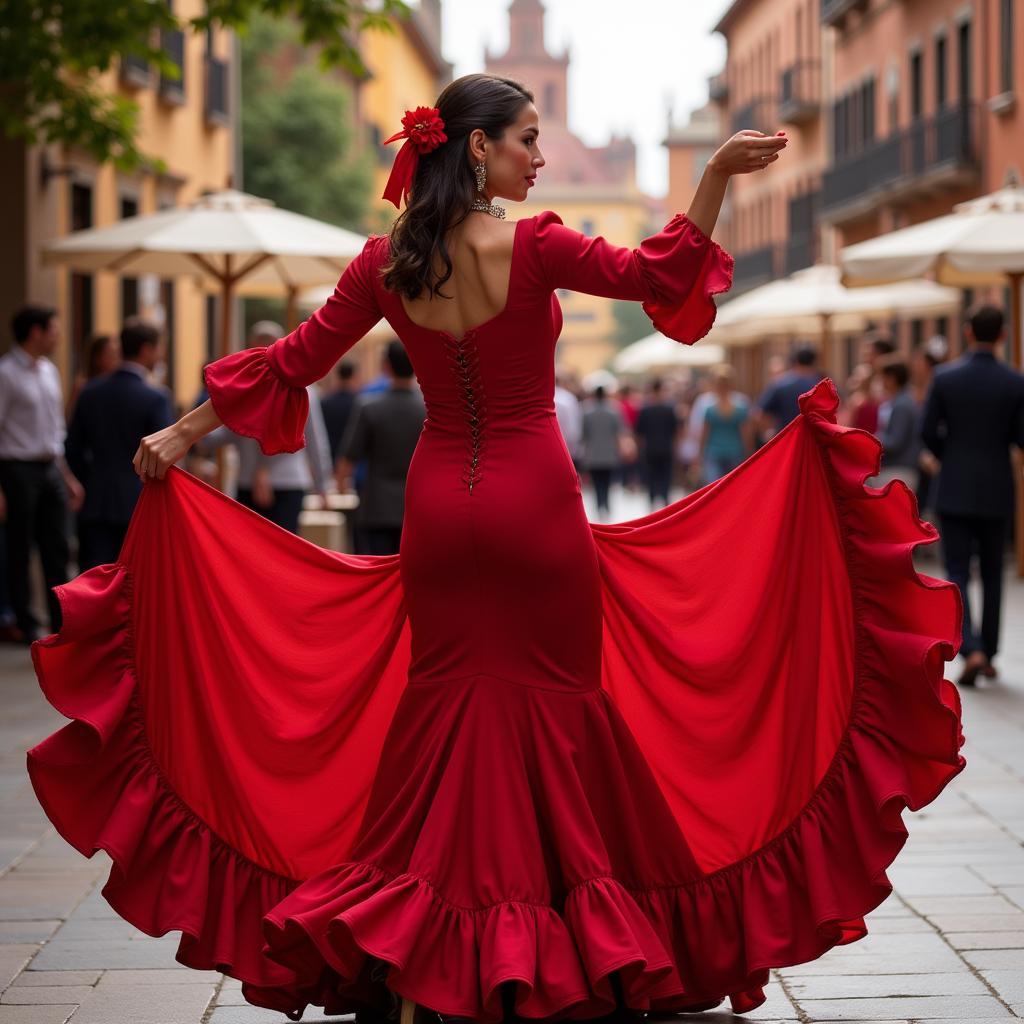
(52, 53)
(298, 138)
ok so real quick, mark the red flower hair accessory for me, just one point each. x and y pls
(423, 131)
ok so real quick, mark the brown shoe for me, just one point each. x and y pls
(975, 663)
(989, 671)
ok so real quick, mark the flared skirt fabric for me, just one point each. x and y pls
(247, 746)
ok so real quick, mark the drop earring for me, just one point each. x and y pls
(481, 203)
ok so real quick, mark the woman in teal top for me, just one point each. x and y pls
(726, 441)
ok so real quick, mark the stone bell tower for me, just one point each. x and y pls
(527, 61)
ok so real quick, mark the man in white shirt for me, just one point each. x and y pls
(36, 485)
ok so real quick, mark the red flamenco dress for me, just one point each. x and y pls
(636, 764)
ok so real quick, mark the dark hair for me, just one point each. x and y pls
(444, 186)
(986, 323)
(398, 360)
(135, 334)
(599, 393)
(896, 368)
(346, 369)
(804, 355)
(657, 384)
(28, 317)
(882, 346)
(97, 343)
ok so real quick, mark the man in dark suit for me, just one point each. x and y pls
(113, 414)
(973, 413)
(384, 430)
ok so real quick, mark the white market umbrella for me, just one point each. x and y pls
(815, 304)
(245, 244)
(980, 243)
(660, 352)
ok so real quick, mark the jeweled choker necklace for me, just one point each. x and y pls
(485, 207)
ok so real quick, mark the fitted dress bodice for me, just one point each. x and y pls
(492, 487)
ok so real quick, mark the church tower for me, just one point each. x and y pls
(528, 61)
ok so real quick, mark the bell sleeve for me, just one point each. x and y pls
(673, 273)
(261, 392)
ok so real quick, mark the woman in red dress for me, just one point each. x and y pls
(530, 766)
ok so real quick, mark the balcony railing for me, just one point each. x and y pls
(173, 43)
(833, 12)
(718, 88)
(929, 153)
(134, 70)
(753, 268)
(217, 105)
(800, 95)
(757, 114)
(801, 247)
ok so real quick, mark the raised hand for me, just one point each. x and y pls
(747, 151)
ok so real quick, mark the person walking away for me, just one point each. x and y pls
(276, 486)
(727, 436)
(570, 417)
(778, 404)
(899, 425)
(656, 428)
(384, 431)
(338, 405)
(102, 357)
(603, 426)
(113, 413)
(629, 472)
(973, 413)
(36, 485)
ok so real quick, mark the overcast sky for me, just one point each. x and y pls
(626, 65)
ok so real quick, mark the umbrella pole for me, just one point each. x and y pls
(1015, 318)
(1017, 459)
(291, 316)
(226, 283)
(829, 348)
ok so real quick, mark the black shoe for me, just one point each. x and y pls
(975, 664)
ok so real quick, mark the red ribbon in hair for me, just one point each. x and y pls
(423, 131)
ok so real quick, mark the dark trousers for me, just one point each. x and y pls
(99, 543)
(284, 510)
(961, 537)
(378, 540)
(37, 515)
(658, 470)
(602, 481)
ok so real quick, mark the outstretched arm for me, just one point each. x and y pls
(674, 273)
(260, 392)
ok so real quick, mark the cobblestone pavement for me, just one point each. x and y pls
(947, 945)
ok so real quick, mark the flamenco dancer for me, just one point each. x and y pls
(530, 767)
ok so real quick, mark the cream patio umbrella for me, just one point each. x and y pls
(980, 243)
(657, 352)
(243, 243)
(814, 303)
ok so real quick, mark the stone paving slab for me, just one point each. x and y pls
(38, 1014)
(864, 986)
(45, 994)
(146, 1004)
(914, 1008)
(32, 978)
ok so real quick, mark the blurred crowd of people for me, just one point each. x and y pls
(68, 486)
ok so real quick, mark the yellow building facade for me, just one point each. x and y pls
(189, 123)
